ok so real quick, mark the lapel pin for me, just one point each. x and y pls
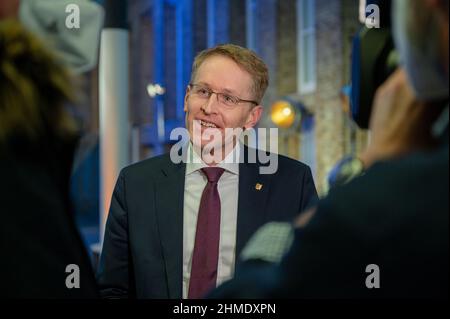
(258, 186)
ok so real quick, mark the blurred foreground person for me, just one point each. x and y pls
(385, 233)
(43, 255)
(77, 48)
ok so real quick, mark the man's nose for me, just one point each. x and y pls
(211, 104)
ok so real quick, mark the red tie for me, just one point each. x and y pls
(206, 249)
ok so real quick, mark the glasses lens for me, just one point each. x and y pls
(228, 100)
(201, 91)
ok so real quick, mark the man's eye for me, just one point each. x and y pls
(203, 92)
(229, 99)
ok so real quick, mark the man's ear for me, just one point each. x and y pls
(253, 117)
(186, 96)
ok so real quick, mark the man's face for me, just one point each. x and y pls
(220, 74)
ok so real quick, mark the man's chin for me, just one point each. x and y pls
(213, 153)
(205, 145)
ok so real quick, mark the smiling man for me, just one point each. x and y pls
(174, 229)
(217, 72)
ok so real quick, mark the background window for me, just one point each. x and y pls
(306, 46)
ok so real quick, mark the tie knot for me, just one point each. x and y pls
(213, 173)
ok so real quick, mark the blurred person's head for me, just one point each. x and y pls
(34, 89)
(421, 37)
(227, 85)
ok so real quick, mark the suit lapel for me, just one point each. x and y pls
(251, 203)
(169, 210)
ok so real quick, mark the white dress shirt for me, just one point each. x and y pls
(195, 182)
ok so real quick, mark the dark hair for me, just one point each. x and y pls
(34, 87)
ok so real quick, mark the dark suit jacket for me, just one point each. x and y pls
(143, 245)
(395, 216)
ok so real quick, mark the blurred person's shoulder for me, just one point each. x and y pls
(394, 192)
(394, 216)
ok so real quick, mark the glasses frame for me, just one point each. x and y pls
(239, 100)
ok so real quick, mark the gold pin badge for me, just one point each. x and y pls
(258, 186)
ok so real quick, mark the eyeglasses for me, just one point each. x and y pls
(203, 92)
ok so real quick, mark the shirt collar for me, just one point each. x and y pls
(230, 163)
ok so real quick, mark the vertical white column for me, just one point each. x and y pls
(114, 118)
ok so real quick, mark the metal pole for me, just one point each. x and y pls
(113, 103)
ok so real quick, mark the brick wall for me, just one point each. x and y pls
(286, 75)
(329, 134)
(355, 138)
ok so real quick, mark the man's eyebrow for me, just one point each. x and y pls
(224, 90)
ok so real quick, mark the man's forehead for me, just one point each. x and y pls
(221, 73)
(223, 88)
(222, 60)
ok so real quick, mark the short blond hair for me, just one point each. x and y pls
(34, 87)
(245, 58)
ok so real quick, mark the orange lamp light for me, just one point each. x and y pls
(283, 114)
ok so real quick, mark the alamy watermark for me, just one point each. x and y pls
(214, 145)
(73, 17)
(73, 279)
(373, 280)
(373, 18)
